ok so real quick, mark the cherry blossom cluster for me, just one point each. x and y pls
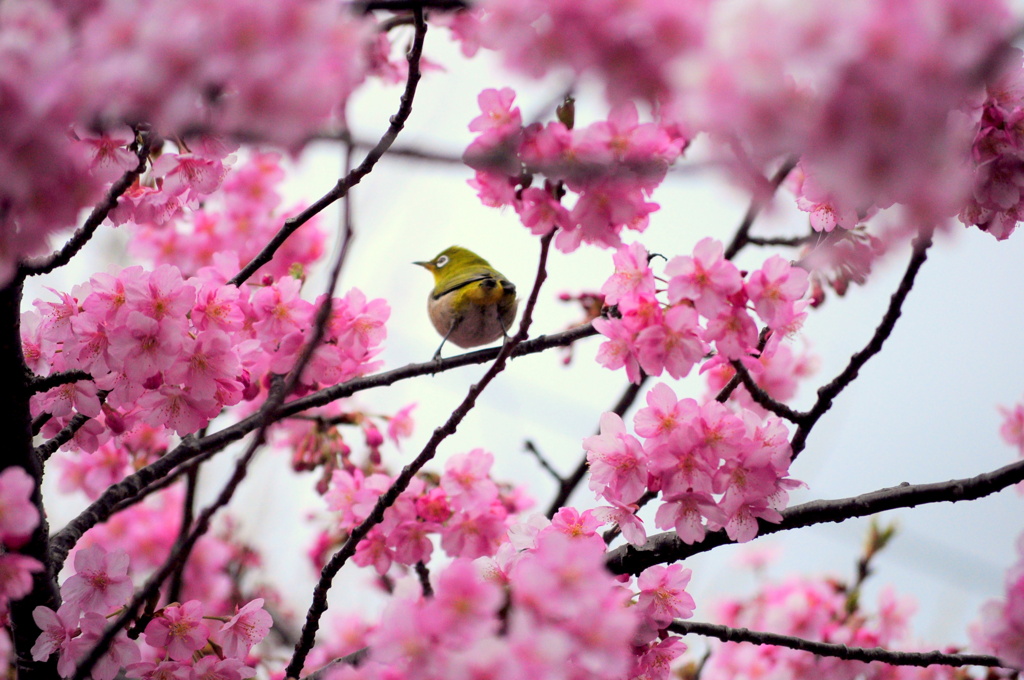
(611, 166)
(243, 69)
(880, 104)
(631, 46)
(646, 334)
(317, 440)
(18, 519)
(997, 202)
(1001, 629)
(714, 468)
(179, 640)
(147, 532)
(543, 606)
(173, 352)
(818, 609)
(464, 507)
(240, 218)
(875, 100)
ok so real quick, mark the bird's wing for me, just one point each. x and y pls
(471, 276)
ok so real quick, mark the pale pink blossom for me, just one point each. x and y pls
(179, 629)
(247, 627)
(18, 516)
(100, 583)
(618, 466)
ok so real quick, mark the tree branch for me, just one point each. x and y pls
(828, 393)
(319, 604)
(117, 496)
(340, 189)
(84, 233)
(727, 634)
(667, 547)
(757, 203)
(39, 384)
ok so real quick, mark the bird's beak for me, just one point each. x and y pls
(425, 265)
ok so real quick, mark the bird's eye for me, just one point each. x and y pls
(441, 261)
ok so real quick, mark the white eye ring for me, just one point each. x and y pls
(441, 261)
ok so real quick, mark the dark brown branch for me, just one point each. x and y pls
(828, 393)
(129, 489)
(792, 241)
(180, 550)
(397, 123)
(762, 398)
(742, 236)
(406, 5)
(544, 463)
(727, 634)
(67, 433)
(84, 233)
(667, 547)
(319, 604)
(48, 382)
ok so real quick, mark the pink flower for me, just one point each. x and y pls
(467, 482)
(1012, 429)
(498, 114)
(400, 425)
(625, 518)
(706, 279)
(16, 575)
(632, 274)
(618, 466)
(57, 629)
(247, 627)
(122, 652)
(464, 605)
(663, 597)
(620, 349)
(101, 581)
(180, 630)
(674, 345)
(18, 516)
(775, 288)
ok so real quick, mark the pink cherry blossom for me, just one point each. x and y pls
(246, 628)
(18, 516)
(57, 630)
(122, 652)
(706, 279)
(618, 466)
(179, 629)
(775, 288)
(100, 583)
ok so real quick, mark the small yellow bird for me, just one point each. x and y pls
(472, 303)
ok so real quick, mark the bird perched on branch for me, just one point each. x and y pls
(472, 303)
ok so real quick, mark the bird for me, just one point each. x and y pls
(471, 303)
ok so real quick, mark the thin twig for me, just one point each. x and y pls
(319, 604)
(828, 392)
(756, 205)
(667, 547)
(762, 398)
(727, 634)
(397, 123)
(84, 233)
(544, 463)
